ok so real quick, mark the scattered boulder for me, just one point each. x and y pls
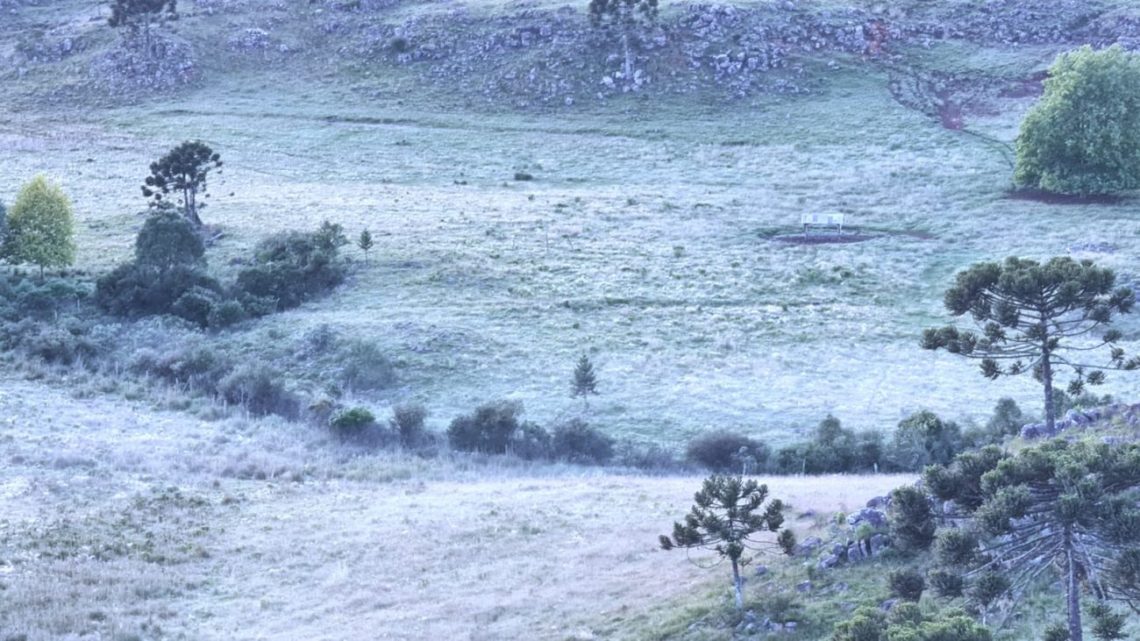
(808, 546)
(870, 516)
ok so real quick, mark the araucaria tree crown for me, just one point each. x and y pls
(183, 170)
(627, 17)
(1037, 318)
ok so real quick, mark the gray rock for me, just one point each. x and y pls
(855, 553)
(886, 606)
(871, 516)
(879, 542)
(804, 587)
(761, 570)
(878, 503)
(808, 546)
(829, 562)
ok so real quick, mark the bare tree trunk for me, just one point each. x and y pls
(738, 585)
(191, 207)
(1047, 380)
(1072, 587)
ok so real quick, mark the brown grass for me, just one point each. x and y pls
(122, 521)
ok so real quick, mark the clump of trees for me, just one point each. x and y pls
(497, 428)
(727, 515)
(1083, 136)
(1037, 318)
(1067, 509)
(40, 227)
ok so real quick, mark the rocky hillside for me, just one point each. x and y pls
(528, 55)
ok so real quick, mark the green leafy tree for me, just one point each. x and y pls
(1083, 136)
(1059, 507)
(585, 381)
(1036, 318)
(923, 439)
(41, 227)
(183, 171)
(727, 514)
(628, 18)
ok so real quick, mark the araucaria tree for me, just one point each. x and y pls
(1059, 507)
(1037, 318)
(585, 382)
(628, 18)
(183, 170)
(41, 227)
(139, 15)
(1083, 136)
(727, 514)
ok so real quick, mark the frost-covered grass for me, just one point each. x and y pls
(642, 241)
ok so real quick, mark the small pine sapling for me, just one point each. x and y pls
(585, 382)
(364, 242)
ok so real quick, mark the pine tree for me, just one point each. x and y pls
(364, 242)
(182, 170)
(727, 514)
(585, 382)
(1059, 507)
(1036, 318)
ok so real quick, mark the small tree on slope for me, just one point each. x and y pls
(727, 513)
(1036, 318)
(41, 228)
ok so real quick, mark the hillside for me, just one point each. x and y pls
(529, 205)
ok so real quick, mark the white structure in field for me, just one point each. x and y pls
(823, 220)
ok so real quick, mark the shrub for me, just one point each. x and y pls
(352, 423)
(649, 457)
(531, 442)
(225, 314)
(292, 267)
(258, 389)
(910, 519)
(57, 345)
(945, 584)
(577, 442)
(1007, 418)
(365, 367)
(132, 290)
(924, 439)
(166, 240)
(195, 305)
(906, 584)
(489, 429)
(408, 423)
(725, 451)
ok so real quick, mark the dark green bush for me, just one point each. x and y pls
(167, 240)
(131, 290)
(55, 344)
(490, 429)
(292, 267)
(195, 305)
(910, 519)
(352, 423)
(906, 584)
(945, 584)
(408, 423)
(575, 441)
(225, 314)
(531, 443)
(725, 451)
(259, 390)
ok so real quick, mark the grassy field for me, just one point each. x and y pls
(125, 523)
(642, 241)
